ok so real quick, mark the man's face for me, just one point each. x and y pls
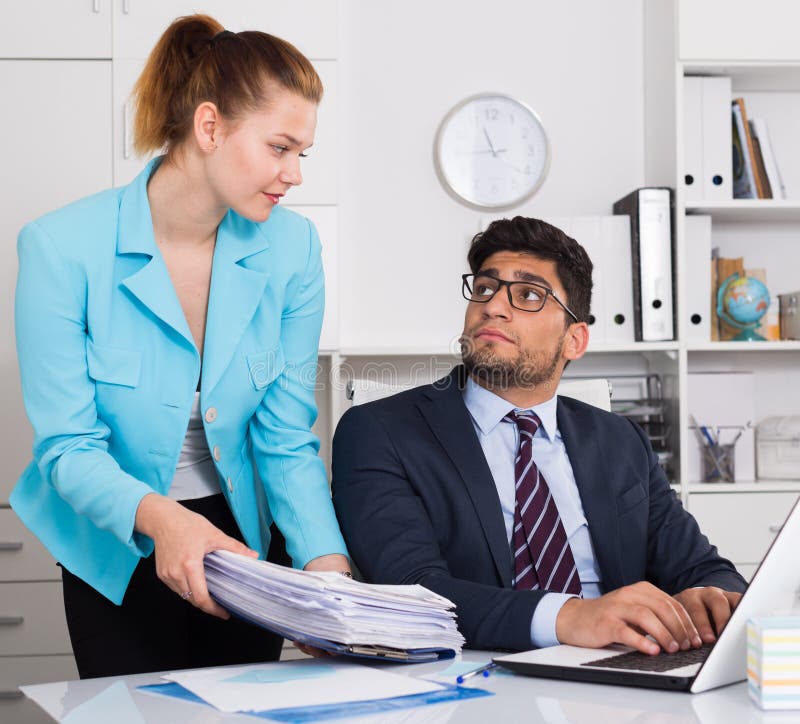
(504, 347)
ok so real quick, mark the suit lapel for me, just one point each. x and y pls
(151, 283)
(235, 293)
(593, 476)
(449, 419)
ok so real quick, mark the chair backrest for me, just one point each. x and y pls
(594, 391)
(361, 391)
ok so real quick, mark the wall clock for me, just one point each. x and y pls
(491, 151)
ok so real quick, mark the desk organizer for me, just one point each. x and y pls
(773, 661)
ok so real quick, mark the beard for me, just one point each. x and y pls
(527, 370)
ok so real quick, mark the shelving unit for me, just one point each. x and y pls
(684, 38)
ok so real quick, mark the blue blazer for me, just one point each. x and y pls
(417, 504)
(109, 369)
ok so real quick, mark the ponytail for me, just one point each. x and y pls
(197, 60)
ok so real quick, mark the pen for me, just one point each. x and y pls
(482, 670)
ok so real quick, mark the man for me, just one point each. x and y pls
(544, 519)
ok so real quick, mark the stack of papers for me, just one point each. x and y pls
(335, 613)
(773, 661)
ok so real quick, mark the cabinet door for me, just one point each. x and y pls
(56, 29)
(737, 30)
(58, 131)
(741, 525)
(126, 164)
(32, 619)
(310, 25)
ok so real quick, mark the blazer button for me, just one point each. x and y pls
(230, 486)
(211, 414)
(216, 453)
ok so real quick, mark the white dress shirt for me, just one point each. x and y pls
(499, 441)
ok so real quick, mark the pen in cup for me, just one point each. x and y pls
(481, 670)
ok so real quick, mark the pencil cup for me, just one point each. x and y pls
(718, 463)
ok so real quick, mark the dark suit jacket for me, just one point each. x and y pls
(417, 504)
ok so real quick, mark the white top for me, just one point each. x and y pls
(195, 476)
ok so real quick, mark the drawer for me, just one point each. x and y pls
(741, 525)
(18, 671)
(22, 556)
(32, 619)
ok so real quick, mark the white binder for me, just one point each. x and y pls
(707, 164)
(717, 140)
(697, 314)
(607, 241)
(586, 230)
(655, 265)
(693, 138)
(617, 281)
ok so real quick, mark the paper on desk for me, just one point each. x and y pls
(326, 606)
(262, 687)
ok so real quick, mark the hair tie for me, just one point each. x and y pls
(222, 34)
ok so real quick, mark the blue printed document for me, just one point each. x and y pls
(331, 612)
(298, 684)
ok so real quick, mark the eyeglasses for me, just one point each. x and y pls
(525, 296)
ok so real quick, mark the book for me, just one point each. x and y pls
(761, 172)
(725, 268)
(744, 177)
(758, 127)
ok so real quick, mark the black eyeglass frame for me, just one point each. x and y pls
(465, 286)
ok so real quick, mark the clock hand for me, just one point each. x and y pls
(489, 141)
(494, 152)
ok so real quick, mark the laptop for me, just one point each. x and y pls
(775, 587)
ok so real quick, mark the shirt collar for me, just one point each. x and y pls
(488, 409)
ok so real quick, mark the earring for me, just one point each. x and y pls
(211, 147)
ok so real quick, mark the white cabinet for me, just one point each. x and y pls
(738, 30)
(759, 54)
(63, 29)
(310, 25)
(58, 148)
(741, 525)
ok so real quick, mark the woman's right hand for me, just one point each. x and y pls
(182, 539)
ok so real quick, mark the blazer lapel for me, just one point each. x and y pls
(449, 419)
(593, 474)
(151, 283)
(235, 293)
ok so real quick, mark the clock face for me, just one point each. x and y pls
(491, 152)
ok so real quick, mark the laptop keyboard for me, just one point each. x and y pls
(659, 663)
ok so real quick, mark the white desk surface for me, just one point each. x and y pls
(116, 700)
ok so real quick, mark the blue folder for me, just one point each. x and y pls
(323, 712)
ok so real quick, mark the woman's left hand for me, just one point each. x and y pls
(333, 562)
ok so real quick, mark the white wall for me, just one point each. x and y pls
(402, 65)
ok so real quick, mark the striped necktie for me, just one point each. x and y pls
(542, 556)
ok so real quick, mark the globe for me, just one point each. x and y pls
(741, 302)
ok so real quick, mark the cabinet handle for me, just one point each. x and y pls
(10, 545)
(95, 6)
(12, 620)
(6, 694)
(126, 7)
(126, 153)
(775, 528)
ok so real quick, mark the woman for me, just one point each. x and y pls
(164, 330)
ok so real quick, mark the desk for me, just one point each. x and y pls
(115, 699)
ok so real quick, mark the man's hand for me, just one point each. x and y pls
(626, 616)
(700, 602)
